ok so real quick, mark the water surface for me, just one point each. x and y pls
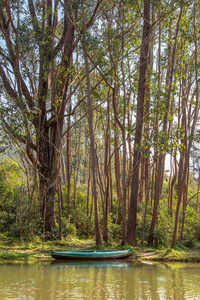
(95, 280)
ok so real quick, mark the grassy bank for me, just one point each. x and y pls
(11, 249)
(15, 250)
(171, 255)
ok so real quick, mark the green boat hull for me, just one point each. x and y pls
(92, 254)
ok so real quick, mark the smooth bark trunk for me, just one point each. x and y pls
(132, 215)
(92, 146)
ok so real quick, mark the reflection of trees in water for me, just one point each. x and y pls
(97, 281)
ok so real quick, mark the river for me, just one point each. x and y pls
(99, 281)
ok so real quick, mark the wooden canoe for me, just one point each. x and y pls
(92, 254)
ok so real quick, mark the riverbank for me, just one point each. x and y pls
(14, 250)
(170, 255)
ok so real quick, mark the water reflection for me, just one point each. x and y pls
(99, 280)
(95, 264)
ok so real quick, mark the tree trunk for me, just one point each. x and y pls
(146, 133)
(171, 187)
(117, 169)
(68, 160)
(49, 157)
(132, 215)
(107, 173)
(77, 164)
(92, 146)
(184, 205)
(184, 157)
(161, 160)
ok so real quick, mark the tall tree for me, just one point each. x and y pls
(91, 132)
(132, 215)
(189, 129)
(35, 59)
(161, 159)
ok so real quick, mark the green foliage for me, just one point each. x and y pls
(68, 228)
(78, 221)
(10, 185)
(115, 232)
(14, 203)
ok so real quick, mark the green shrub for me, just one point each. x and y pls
(114, 231)
(68, 228)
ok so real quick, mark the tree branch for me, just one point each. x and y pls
(33, 16)
(8, 129)
(11, 92)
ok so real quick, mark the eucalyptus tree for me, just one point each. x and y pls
(145, 43)
(165, 123)
(115, 31)
(119, 23)
(189, 107)
(37, 44)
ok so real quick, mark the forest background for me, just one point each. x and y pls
(95, 96)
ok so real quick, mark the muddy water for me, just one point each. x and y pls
(105, 280)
